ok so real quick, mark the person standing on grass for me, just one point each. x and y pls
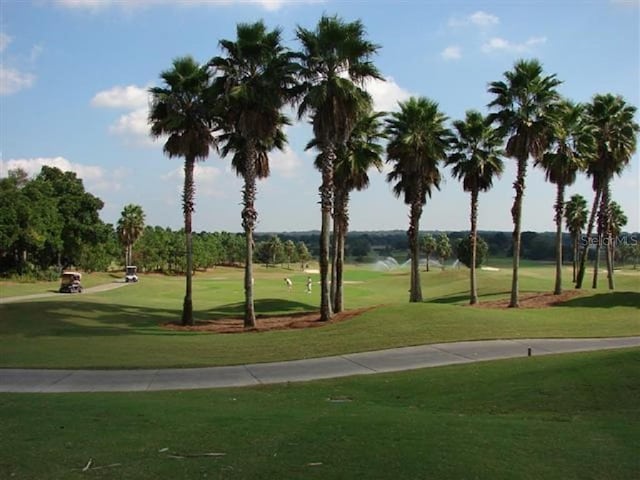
(309, 282)
(288, 282)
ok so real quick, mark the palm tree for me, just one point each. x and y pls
(575, 216)
(522, 103)
(428, 247)
(254, 81)
(179, 109)
(130, 228)
(572, 146)
(615, 132)
(475, 158)
(418, 140)
(617, 220)
(361, 152)
(335, 62)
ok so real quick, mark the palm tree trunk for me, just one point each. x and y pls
(334, 259)
(415, 292)
(596, 263)
(326, 202)
(343, 220)
(558, 218)
(602, 222)
(574, 263)
(249, 217)
(516, 215)
(585, 249)
(188, 208)
(606, 201)
(474, 235)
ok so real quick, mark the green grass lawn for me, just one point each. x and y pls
(122, 328)
(562, 417)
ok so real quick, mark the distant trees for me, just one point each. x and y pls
(464, 252)
(428, 247)
(130, 228)
(47, 220)
(443, 248)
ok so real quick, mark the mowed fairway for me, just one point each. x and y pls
(564, 417)
(123, 328)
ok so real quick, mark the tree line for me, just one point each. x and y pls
(235, 102)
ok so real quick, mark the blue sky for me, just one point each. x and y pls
(74, 75)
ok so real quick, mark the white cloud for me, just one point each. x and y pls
(479, 19)
(452, 52)
(128, 97)
(285, 163)
(94, 177)
(483, 19)
(13, 80)
(132, 126)
(207, 179)
(497, 44)
(5, 40)
(97, 5)
(386, 94)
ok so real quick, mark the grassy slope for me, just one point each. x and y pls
(120, 328)
(564, 417)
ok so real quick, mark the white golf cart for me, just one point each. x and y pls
(131, 274)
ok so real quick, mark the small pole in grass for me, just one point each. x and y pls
(529, 352)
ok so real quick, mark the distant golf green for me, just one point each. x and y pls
(122, 328)
(555, 418)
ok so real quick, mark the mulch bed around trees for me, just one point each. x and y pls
(265, 323)
(532, 300)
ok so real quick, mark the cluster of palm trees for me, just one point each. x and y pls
(235, 103)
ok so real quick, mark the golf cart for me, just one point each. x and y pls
(70, 282)
(131, 275)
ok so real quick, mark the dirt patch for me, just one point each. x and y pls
(533, 300)
(266, 323)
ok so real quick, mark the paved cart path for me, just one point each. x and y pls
(96, 289)
(393, 360)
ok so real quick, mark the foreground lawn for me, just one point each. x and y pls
(123, 327)
(563, 417)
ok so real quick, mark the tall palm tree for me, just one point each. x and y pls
(572, 146)
(335, 62)
(615, 132)
(180, 110)
(130, 228)
(353, 162)
(254, 81)
(617, 220)
(418, 141)
(522, 103)
(575, 217)
(475, 158)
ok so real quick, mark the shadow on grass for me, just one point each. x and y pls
(263, 307)
(605, 300)
(464, 297)
(88, 319)
(82, 319)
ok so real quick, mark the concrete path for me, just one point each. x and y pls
(393, 360)
(85, 291)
